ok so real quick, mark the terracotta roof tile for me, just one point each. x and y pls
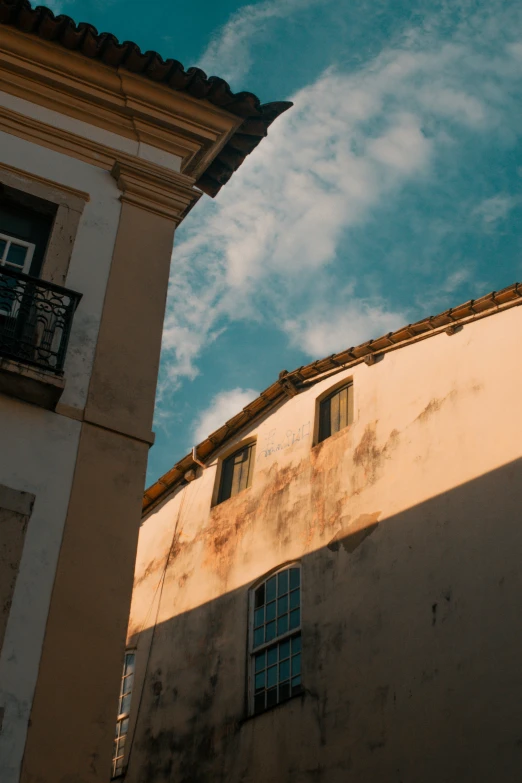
(105, 47)
(304, 377)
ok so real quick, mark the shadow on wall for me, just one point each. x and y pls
(412, 650)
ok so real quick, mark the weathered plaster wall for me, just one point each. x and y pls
(31, 435)
(41, 446)
(407, 525)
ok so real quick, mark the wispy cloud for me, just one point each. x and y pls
(222, 407)
(269, 246)
(497, 208)
(57, 6)
(229, 53)
(326, 330)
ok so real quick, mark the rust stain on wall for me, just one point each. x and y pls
(435, 404)
(369, 457)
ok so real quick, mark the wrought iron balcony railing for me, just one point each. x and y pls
(35, 320)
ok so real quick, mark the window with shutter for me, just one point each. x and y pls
(335, 411)
(236, 473)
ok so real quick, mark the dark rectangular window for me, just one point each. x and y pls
(335, 411)
(25, 228)
(236, 472)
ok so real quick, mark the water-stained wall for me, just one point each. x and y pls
(407, 528)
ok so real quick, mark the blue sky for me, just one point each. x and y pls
(390, 191)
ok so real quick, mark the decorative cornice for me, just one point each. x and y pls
(74, 70)
(58, 194)
(143, 183)
(169, 194)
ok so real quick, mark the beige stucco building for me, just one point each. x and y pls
(103, 150)
(334, 593)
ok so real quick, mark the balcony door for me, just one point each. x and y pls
(25, 228)
(27, 317)
(16, 255)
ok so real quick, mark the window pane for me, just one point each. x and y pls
(282, 625)
(296, 644)
(127, 683)
(270, 611)
(284, 670)
(259, 617)
(260, 596)
(271, 677)
(271, 656)
(284, 650)
(295, 578)
(16, 255)
(324, 420)
(296, 664)
(282, 583)
(334, 413)
(124, 726)
(258, 637)
(295, 618)
(295, 599)
(227, 474)
(240, 476)
(271, 697)
(259, 702)
(260, 661)
(129, 663)
(260, 681)
(125, 704)
(296, 685)
(343, 407)
(271, 589)
(3, 245)
(284, 691)
(270, 632)
(282, 605)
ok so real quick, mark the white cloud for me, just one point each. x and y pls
(265, 248)
(456, 279)
(229, 52)
(57, 6)
(224, 406)
(327, 330)
(496, 208)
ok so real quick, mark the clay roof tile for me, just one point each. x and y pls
(85, 39)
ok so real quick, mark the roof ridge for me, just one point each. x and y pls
(472, 310)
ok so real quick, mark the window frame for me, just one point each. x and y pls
(65, 204)
(248, 443)
(30, 248)
(327, 395)
(122, 716)
(28, 258)
(252, 651)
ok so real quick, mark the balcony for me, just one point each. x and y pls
(35, 324)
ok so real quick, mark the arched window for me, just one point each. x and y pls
(275, 639)
(335, 411)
